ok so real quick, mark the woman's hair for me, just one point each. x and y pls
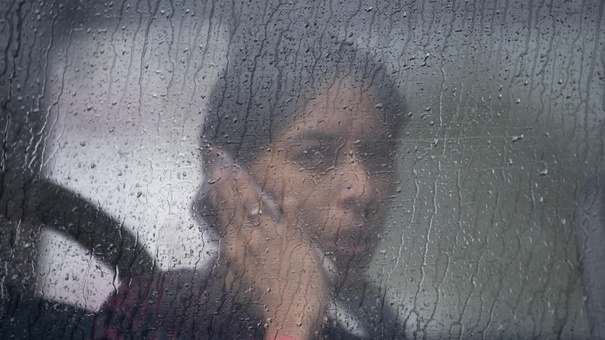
(256, 99)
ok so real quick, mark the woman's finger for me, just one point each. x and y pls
(268, 251)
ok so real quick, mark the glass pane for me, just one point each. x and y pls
(311, 169)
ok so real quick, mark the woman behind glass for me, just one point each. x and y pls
(299, 154)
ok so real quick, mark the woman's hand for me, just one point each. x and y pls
(268, 251)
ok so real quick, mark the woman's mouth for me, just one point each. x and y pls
(352, 244)
(351, 248)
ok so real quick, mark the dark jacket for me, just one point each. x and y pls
(186, 304)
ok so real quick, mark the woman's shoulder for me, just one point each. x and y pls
(184, 304)
(197, 304)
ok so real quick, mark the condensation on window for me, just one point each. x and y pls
(466, 137)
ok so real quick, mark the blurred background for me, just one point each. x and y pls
(506, 119)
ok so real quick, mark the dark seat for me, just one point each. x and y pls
(23, 315)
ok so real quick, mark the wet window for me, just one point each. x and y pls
(334, 169)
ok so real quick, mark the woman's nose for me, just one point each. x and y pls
(356, 188)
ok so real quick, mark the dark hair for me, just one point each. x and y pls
(258, 98)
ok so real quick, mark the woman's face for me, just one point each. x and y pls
(332, 171)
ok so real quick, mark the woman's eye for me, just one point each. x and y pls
(376, 156)
(313, 154)
(315, 157)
